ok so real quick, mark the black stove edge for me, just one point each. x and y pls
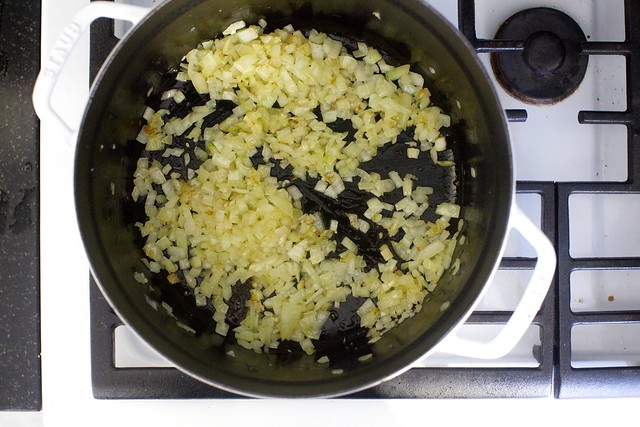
(20, 369)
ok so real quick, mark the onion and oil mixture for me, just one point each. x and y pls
(271, 191)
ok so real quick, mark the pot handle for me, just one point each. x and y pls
(529, 305)
(62, 48)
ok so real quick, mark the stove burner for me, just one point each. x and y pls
(550, 66)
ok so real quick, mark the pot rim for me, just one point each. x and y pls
(342, 384)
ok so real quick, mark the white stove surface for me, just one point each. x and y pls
(66, 379)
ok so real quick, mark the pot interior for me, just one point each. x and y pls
(481, 182)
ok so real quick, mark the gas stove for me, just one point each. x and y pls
(554, 146)
(576, 149)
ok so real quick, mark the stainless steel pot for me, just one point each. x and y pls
(484, 184)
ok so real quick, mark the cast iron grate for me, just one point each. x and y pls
(110, 382)
(571, 382)
(609, 381)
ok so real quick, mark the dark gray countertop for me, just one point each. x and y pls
(20, 381)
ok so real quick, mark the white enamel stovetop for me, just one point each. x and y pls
(66, 379)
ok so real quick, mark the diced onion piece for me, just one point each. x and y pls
(199, 82)
(440, 144)
(321, 186)
(247, 34)
(413, 153)
(448, 209)
(298, 251)
(386, 253)
(295, 193)
(148, 113)
(397, 72)
(375, 206)
(142, 136)
(395, 177)
(233, 28)
(350, 245)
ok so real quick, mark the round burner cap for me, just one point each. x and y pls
(549, 67)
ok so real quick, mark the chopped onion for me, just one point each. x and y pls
(448, 209)
(413, 153)
(231, 29)
(247, 34)
(231, 222)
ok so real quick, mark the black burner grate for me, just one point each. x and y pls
(570, 381)
(601, 382)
